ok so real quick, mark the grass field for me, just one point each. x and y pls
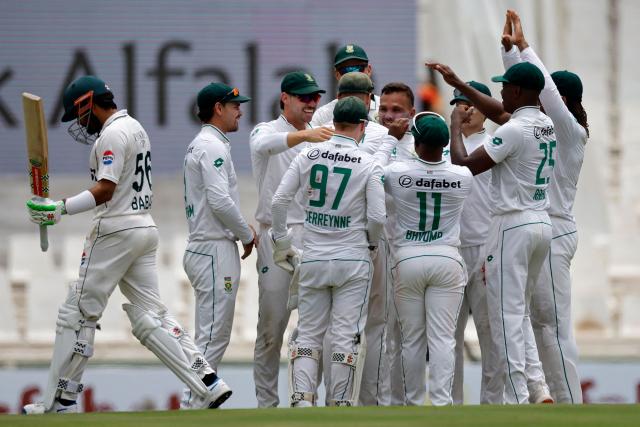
(475, 416)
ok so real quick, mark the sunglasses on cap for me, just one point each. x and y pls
(351, 68)
(231, 94)
(309, 97)
(424, 113)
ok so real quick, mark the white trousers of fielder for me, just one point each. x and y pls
(428, 295)
(375, 387)
(475, 300)
(332, 293)
(516, 248)
(213, 267)
(273, 317)
(551, 315)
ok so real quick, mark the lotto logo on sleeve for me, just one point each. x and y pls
(107, 157)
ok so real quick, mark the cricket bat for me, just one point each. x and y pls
(37, 152)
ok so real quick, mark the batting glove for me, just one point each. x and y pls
(45, 211)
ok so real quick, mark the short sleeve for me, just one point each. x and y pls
(505, 142)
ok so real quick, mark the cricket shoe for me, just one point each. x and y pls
(57, 408)
(540, 394)
(219, 392)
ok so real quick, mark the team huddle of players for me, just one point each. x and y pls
(384, 228)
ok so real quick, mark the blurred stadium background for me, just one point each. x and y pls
(156, 55)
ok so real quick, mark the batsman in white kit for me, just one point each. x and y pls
(120, 250)
(521, 156)
(211, 259)
(429, 274)
(344, 217)
(274, 145)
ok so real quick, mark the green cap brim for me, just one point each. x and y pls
(351, 57)
(307, 90)
(460, 98)
(499, 79)
(240, 99)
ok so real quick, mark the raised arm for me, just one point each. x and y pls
(550, 97)
(490, 107)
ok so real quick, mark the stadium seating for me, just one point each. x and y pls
(38, 276)
(8, 320)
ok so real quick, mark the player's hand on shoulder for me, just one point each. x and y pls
(398, 127)
(45, 211)
(319, 134)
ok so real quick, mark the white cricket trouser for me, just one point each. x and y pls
(125, 257)
(475, 299)
(516, 247)
(334, 293)
(429, 291)
(394, 343)
(273, 317)
(374, 389)
(551, 315)
(213, 267)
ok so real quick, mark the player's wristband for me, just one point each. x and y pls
(80, 203)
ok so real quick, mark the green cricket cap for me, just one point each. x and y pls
(458, 96)
(300, 83)
(350, 51)
(523, 74)
(218, 92)
(355, 82)
(430, 128)
(568, 84)
(350, 110)
(76, 89)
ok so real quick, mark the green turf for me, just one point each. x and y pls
(475, 416)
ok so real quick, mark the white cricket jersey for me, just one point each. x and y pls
(524, 150)
(343, 199)
(270, 159)
(428, 199)
(122, 155)
(324, 114)
(476, 214)
(405, 148)
(572, 139)
(211, 189)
